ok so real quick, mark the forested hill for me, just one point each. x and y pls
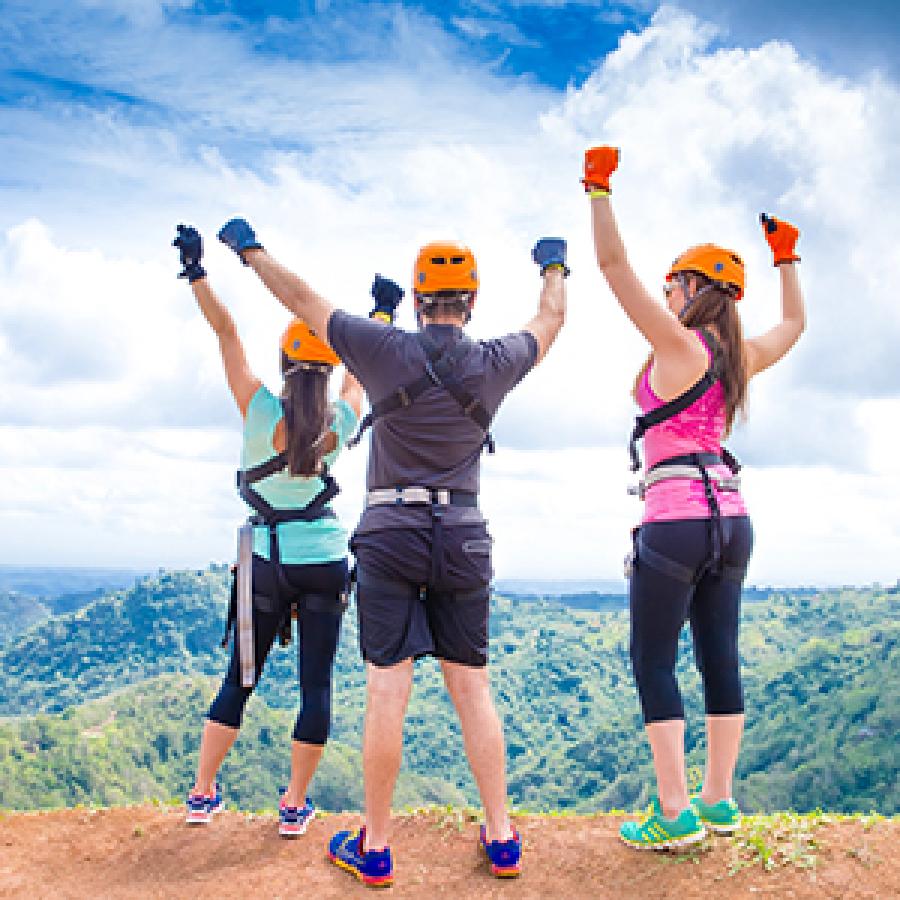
(821, 679)
(30, 594)
(141, 743)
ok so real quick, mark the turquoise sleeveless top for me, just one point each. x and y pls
(300, 543)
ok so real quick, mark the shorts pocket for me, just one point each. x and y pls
(477, 545)
(469, 557)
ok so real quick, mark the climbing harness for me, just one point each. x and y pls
(690, 466)
(440, 365)
(437, 500)
(240, 612)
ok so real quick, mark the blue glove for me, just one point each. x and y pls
(387, 295)
(190, 244)
(238, 235)
(550, 253)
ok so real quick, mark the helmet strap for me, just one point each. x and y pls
(426, 307)
(304, 366)
(690, 299)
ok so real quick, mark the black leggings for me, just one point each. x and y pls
(317, 638)
(660, 603)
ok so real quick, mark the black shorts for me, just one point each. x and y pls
(403, 616)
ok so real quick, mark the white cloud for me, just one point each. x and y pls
(479, 28)
(346, 171)
(143, 13)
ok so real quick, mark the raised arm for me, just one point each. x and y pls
(768, 348)
(242, 382)
(550, 255)
(651, 317)
(291, 290)
(352, 392)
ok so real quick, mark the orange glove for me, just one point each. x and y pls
(599, 164)
(782, 236)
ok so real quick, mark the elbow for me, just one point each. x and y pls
(558, 317)
(226, 330)
(608, 262)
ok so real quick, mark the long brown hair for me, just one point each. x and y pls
(715, 309)
(304, 399)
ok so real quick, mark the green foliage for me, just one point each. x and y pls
(783, 839)
(142, 744)
(18, 612)
(820, 676)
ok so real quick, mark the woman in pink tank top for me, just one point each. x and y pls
(694, 542)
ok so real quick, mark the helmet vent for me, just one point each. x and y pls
(439, 260)
(457, 260)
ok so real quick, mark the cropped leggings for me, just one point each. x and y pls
(318, 630)
(660, 603)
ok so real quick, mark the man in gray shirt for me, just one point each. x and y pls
(422, 546)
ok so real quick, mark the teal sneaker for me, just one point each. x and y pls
(723, 817)
(656, 832)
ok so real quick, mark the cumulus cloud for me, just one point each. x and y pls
(711, 137)
(346, 170)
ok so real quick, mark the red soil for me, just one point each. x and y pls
(148, 852)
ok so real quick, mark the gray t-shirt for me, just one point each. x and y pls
(431, 443)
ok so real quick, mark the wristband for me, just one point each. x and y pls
(381, 316)
(561, 266)
(598, 192)
(789, 259)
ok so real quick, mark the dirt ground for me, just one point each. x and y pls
(148, 851)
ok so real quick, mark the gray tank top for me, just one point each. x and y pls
(431, 443)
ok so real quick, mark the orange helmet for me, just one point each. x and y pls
(300, 344)
(717, 263)
(445, 266)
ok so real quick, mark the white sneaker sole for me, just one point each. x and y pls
(672, 844)
(292, 831)
(198, 819)
(723, 829)
(202, 818)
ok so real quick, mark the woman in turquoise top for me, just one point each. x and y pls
(309, 574)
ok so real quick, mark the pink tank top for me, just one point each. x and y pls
(697, 429)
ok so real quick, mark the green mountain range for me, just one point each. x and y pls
(106, 703)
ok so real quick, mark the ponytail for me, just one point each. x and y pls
(716, 307)
(304, 400)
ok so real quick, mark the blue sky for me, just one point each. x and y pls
(356, 132)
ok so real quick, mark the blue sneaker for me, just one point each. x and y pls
(293, 820)
(202, 807)
(505, 857)
(215, 801)
(373, 868)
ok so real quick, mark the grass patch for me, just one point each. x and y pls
(773, 841)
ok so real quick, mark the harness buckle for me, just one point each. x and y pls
(429, 371)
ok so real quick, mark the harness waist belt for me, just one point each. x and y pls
(412, 496)
(692, 467)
